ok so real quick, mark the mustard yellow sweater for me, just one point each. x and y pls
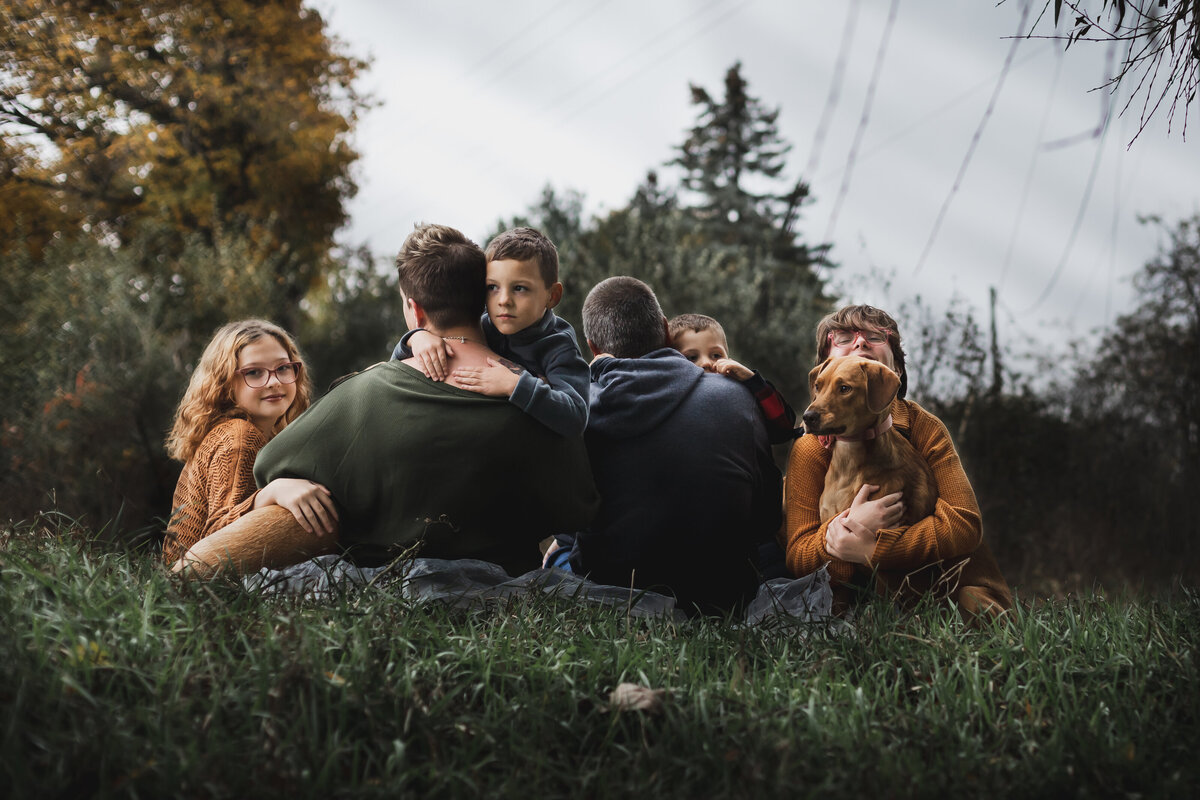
(216, 486)
(943, 553)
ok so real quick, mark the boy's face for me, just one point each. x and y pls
(517, 297)
(702, 348)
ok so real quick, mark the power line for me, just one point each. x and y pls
(1029, 173)
(1083, 203)
(649, 45)
(931, 115)
(589, 103)
(975, 139)
(533, 50)
(511, 41)
(835, 89)
(844, 189)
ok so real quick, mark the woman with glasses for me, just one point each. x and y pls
(249, 384)
(943, 554)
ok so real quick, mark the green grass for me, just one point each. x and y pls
(118, 680)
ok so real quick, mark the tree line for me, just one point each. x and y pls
(169, 167)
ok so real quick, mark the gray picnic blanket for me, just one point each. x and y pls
(464, 582)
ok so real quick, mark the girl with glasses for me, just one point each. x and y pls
(249, 384)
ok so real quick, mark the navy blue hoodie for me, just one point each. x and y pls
(687, 483)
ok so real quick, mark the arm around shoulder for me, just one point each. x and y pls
(561, 401)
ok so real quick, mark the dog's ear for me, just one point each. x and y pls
(882, 385)
(812, 377)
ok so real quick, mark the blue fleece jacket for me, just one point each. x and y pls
(687, 483)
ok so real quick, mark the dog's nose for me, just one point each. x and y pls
(810, 418)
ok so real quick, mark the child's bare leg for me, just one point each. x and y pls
(266, 537)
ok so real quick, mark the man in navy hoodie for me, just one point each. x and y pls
(680, 456)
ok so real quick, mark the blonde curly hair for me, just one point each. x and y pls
(209, 396)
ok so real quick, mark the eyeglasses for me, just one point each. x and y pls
(258, 377)
(847, 338)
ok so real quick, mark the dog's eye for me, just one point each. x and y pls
(844, 388)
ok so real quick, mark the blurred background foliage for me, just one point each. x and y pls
(166, 167)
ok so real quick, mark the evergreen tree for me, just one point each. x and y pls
(733, 162)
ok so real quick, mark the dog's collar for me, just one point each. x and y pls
(869, 433)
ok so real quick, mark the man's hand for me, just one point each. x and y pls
(494, 380)
(732, 369)
(431, 352)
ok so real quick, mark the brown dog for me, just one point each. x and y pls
(851, 401)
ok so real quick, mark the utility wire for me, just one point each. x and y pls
(512, 41)
(1083, 202)
(1029, 173)
(975, 139)
(844, 189)
(835, 89)
(534, 50)
(929, 116)
(590, 102)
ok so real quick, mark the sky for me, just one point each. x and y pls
(935, 171)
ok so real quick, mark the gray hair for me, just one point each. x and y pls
(621, 316)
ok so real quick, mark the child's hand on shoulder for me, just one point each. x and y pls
(432, 353)
(732, 369)
(498, 379)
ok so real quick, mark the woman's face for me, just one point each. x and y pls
(856, 343)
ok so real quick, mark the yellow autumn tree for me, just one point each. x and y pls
(198, 116)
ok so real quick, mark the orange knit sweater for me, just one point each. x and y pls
(944, 552)
(216, 486)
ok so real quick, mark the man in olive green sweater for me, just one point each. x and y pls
(410, 460)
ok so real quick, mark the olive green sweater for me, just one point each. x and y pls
(408, 459)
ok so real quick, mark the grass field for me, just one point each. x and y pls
(117, 680)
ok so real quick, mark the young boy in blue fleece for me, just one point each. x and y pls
(520, 325)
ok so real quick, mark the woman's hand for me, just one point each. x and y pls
(851, 535)
(877, 514)
(848, 540)
(432, 353)
(310, 503)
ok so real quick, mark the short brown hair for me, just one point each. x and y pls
(526, 244)
(445, 272)
(857, 318)
(622, 317)
(694, 323)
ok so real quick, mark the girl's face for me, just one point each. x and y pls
(266, 404)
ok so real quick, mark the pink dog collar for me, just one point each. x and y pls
(869, 433)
